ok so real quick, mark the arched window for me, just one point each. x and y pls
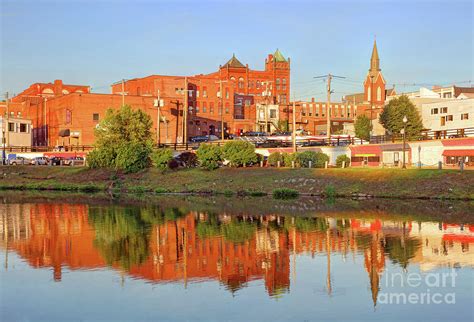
(227, 107)
(241, 82)
(379, 94)
(278, 84)
(284, 83)
(369, 94)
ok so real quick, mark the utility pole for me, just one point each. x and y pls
(185, 111)
(158, 119)
(7, 138)
(329, 77)
(293, 133)
(221, 102)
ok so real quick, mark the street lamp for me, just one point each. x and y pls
(4, 155)
(405, 120)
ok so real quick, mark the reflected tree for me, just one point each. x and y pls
(401, 250)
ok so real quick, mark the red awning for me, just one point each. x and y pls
(459, 153)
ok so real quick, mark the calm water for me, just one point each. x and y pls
(232, 260)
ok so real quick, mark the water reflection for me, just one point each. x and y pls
(163, 245)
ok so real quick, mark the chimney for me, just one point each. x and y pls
(58, 87)
(312, 99)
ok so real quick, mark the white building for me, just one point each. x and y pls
(16, 133)
(452, 118)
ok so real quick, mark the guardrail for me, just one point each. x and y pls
(426, 135)
(72, 148)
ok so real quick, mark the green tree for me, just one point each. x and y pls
(363, 127)
(239, 153)
(123, 140)
(161, 157)
(209, 156)
(392, 117)
(283, 125)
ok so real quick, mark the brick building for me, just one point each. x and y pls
(67, 114)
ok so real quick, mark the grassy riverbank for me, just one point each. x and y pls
(387, 183)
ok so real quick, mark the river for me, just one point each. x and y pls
(70, 257)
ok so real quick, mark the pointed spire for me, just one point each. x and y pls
(374, 60)
(278, 56)
(234, 62)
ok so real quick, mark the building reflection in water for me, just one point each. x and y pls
(175, 245)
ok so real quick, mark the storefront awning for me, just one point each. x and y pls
(459, 153)
(365, 155)
(64, 133)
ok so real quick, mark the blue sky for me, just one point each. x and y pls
(99, 42)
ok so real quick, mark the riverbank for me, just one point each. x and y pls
(350, 182)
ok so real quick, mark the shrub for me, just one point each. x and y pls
(101, 158)
(188, 159)
(285, 193)
(317, 159)
(342, 158)
(274, 157)
(173, 164)
(161, 157)
(209, 156)
(330, 191)
(288, 158)
(304, 158)
(133, 157)
(239, 153)
(161, 190)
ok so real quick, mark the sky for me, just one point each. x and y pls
(96, 43)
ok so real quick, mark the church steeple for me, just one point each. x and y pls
(374, 60)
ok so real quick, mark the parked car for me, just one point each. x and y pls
(56, 160)
(204, 138)
(17, 160)
(254, 134)
(74, 160)
(39, 161)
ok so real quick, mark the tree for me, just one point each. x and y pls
(123, 140)
(392, 117)
(209, 156)
(239, 153)
(363, 127)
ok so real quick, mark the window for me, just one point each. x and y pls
(68, 116)
(283, 99)
(258, 84)
(278, 84)
(95, 116)
(204, 107)
(211, 107)
(284, 83)
(444, 110)
(227, 93)
(379, 94)
(369, 94)
(197, 107)
(227, 107)
(449, 118)
(204, 91)
(247, 102)
(310, 111)
(446, 95)
(434, 111)
(241, 83)
(273, 113)
(465, 116)
(23, 127)
(11, 127)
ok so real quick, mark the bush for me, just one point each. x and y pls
(161, 158)
(288, 158)
(342, 158)
(133, 157)
(101, 158)
(304, 158)
(209, 156)
(274, 157)
(188, 159)
(318, 159)
(330, 191)
(285, 193)
(239, 153)
(173, 164)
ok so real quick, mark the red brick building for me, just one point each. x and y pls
(67, 114)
